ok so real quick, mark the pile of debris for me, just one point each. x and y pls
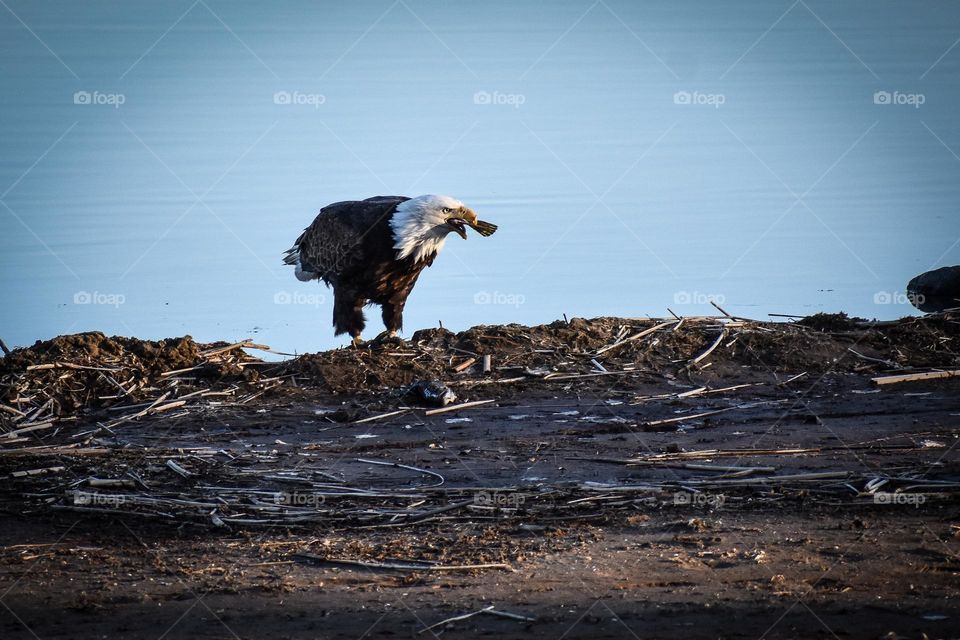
(213, 488)
(579, 350)
(77, 378)
(95, 383)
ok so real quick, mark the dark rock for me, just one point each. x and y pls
(935, 290)
(432, 392)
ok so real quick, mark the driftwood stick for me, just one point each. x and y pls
(139, 414)
(178, 469)
(795, 477)
(35, 472)
(404, 466)
(174, 372)
(110, 482)
(3, 346)
(717, 453)
(885, 363)
(490, 610)
(68, 365)
(466, 364)
(423, 516)
(33, 415)
(455, 407)
(454, 619)
(694, 416)
(168, 406)
(636, 336)
(911, 377)
(48, 450)
(11, 410)
(504, 614)
(690, 466)
(229, 347)
(389, 414)
(27, 428)
(711, 348)
(401, 566)
(720, 309)
(794, 378)
(486, 381)
(574, 376)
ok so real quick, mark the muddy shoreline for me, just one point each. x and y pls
(703, 477)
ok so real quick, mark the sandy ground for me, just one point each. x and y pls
(813, 506)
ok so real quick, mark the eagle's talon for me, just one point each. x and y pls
(388, 337)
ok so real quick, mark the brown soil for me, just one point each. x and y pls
(812, 503)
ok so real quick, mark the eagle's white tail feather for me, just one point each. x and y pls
(292, 257)
(304, 276)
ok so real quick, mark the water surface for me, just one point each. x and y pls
(637, 156)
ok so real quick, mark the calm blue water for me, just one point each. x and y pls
(157, 158)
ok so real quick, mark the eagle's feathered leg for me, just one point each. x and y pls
(348, 314)
(392, 318)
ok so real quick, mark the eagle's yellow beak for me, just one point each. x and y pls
(469, 218)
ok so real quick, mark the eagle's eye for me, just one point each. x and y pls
(447, 210)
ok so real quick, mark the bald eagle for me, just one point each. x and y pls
(373, 250)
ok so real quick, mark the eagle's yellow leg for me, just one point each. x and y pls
(357, 341)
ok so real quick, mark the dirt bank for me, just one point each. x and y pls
(703, 477)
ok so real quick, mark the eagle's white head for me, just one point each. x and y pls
(420, 225)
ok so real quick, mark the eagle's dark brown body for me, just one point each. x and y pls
(350, 246)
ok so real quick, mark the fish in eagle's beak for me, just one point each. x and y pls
(469, 219)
